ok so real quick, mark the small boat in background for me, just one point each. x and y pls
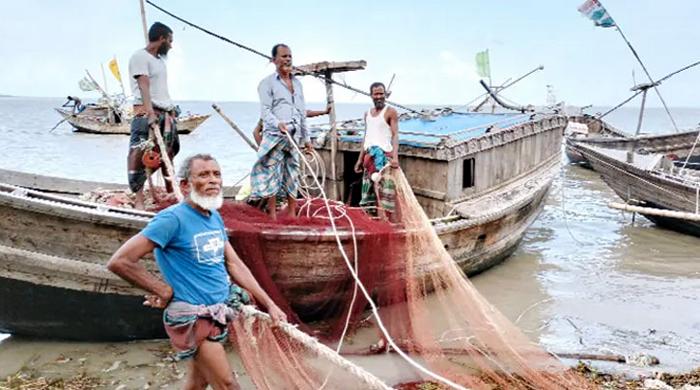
(105, 120)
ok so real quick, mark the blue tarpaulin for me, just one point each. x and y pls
(452, 125)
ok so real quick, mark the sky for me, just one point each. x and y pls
(45, 47)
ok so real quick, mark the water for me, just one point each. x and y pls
(584, 279)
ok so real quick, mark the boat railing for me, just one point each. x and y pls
(689, 179)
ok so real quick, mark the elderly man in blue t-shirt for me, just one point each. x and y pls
(196, 260)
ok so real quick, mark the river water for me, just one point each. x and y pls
(585, 278)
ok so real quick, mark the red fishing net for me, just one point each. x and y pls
(297, 261)
(428, 307)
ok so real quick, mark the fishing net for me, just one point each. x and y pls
(433, 312)
(285, 358)
(297, 261)
(426, 305)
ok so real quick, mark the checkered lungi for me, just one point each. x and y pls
(375, 159)
(276, 173)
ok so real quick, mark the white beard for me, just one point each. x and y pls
(207, 202)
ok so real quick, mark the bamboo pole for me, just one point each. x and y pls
(633, 144)
(121, 81)
(169, 168)
(110, 103)
(334, 134)
(104, 77)
(656, 212)
(143, 20)
(235, 127)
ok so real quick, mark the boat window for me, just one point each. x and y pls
(468, 173)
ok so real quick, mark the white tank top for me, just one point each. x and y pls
(378, 132)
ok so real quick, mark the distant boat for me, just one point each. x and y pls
(588, 130)
(103, 120)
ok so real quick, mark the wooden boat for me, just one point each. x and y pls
(649, 183)
(587, 128)
(603, 135)
(483, 178)
(106, 124)
(71, 187)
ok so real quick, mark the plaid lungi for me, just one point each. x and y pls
(387, 187)
(276, 173)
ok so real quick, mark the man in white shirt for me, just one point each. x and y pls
(380, 147)
(148, 77)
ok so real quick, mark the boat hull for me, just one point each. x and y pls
(95, 125)
(83, 241)
(61, 313)
(640, 187)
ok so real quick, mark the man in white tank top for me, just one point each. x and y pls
(379, 148)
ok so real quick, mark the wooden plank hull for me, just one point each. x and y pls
(58, 244)
(640, 186)
(95, 125)
(60, 313)
(81, 239)
(60, 185)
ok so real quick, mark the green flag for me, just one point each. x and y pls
(483, 67)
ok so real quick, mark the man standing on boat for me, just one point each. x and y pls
(148, 76)
(283, 111)
(258, 131)
(379, 149)
(196, 260)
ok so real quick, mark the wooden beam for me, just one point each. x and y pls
(333, 133)
(332, 67)
(143, 21)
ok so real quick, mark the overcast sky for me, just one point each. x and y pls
(430, 46)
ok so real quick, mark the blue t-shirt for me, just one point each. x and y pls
(190, 253)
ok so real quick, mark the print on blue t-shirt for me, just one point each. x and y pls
(190, 253)
(210, 247)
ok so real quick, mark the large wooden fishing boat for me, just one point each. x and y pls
(107, 124)
(482, 178)
(650, 184)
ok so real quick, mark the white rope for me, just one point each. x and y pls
(359, 283)
(306, 188)
(691, 151)
(319, 348)
(562, 178)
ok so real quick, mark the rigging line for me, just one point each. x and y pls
(659, 81)
(244, 47)
(654, 85)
